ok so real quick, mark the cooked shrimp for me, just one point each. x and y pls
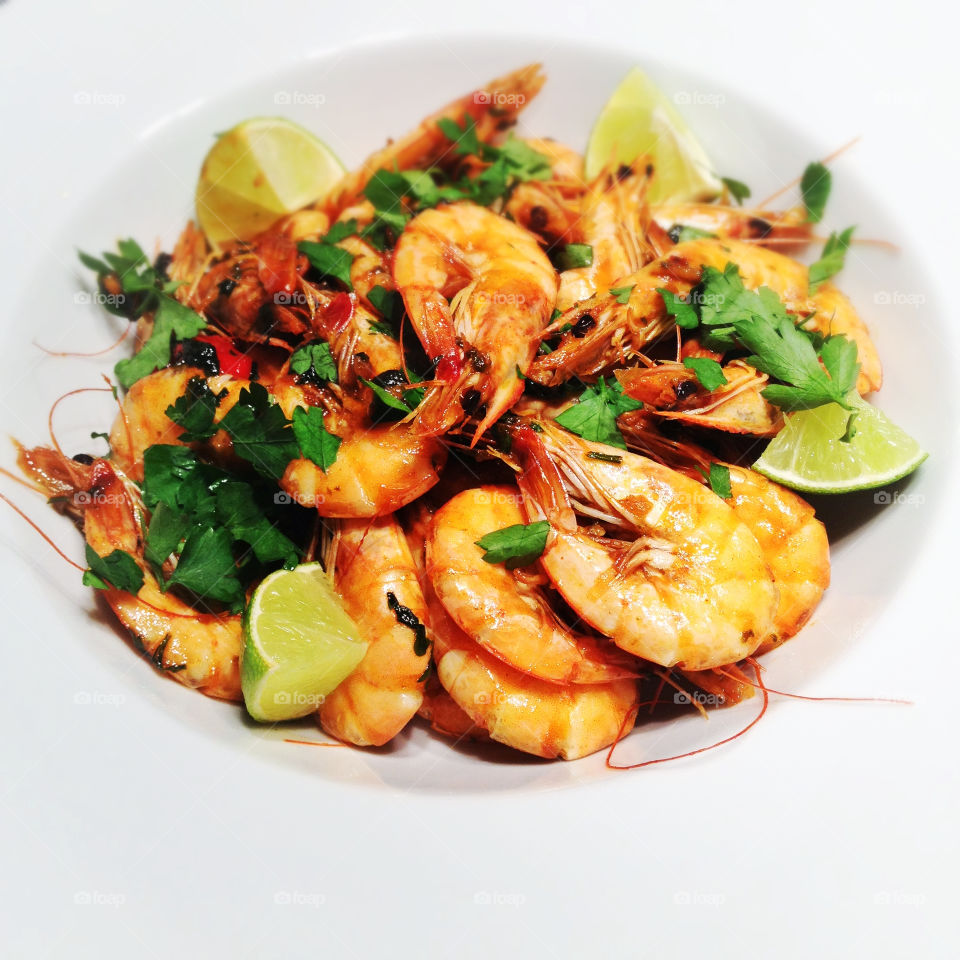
(550, 208)
(506, 611)
(503, 290)
(493, 109)
(601, 332)
(201, 650)
(737, 223)
(794, 542)
(673, 392)
(545, 719)
(611, 223)
(379, 467)
(377, 580)
(444, 716)
(693, 590)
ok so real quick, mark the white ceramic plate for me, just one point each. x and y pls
(96, 687)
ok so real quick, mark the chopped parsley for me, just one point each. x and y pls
(260, 432)
(708, 371)
(315, 441)
(737, 189)
(815, 189)
(594, 415)
(622, 294)
(831, 259)
(118, 570)
(719, 479)
(328, 260)
(681, 233)
(195, 411)
(313, 363)
(572, 256)
(515, 546)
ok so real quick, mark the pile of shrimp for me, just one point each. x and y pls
(648, 580)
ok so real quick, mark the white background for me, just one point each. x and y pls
(845, 846)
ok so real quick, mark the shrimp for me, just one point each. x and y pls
(374, 573)
(493, 109)
(672, 391)
(200, 650)
(545, 719)
(737, 223)
(601, 332)
(505, 611)
(794, 542)
(550, 208)
(503, 288)
(693, 590)
(611, 223)
(444, 716)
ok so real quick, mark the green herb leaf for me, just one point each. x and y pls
(515, 546)
(328, 260)
(709, 372)
(719, 480)
(573, 256)
(738, 190)
(681, 310)
(388, 303)
(207, 568)
(622, 294)
(260, 432)
(171, 319)
(166, 532)
(815, 189)
(195, 410)
(465, 139)
(246, 521)
(315, 360)
(831, 259)
(681, 233)
(118, 570)
(594, 415)
(315, 442)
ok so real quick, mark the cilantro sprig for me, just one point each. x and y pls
(831, 259)
(515, 546)
(815, 187)
(141, 289)
(594, 415)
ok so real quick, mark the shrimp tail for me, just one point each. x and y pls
(541, 483)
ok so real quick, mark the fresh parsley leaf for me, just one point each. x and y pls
(719, 480)
(515, 546)
(377, 326)
(557, 313)
(195, 410)
(682, 312)
(340, 231)
(314, 361)
(260, 432)
(831, 259)
(315, 442)
(594, 415)
(388, 303)
(175, 476)
(207, 568)
(166, 532)
(738, 190)
(574, 255)
(411, 397)
(117, 569)
(622, 294)
(465, 139)
(709, 372)
(815, 188)
(247, 521)
(171, 318)
(328, 260)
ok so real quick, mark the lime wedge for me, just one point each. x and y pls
(258, 172)
(639, 119)
(808, 453)
(298, 644)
